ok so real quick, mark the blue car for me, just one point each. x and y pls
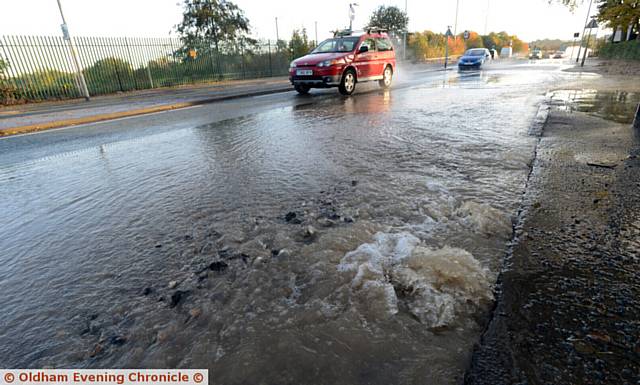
(474, 58)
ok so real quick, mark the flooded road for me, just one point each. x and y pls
(284, 240)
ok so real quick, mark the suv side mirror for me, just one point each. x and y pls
(363, 49)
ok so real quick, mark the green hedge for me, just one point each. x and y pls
(629, 50)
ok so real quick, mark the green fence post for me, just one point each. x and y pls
(270, 64)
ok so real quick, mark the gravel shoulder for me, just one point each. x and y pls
(569, 300)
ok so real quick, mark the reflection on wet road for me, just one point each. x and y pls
(282, 240)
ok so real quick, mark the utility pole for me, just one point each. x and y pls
(592, 24)
(447, 35)
(486, 19)
(404, 49)
(455, 26)
(277, 33)
(586, 21)
(316, 33)
(82, 84)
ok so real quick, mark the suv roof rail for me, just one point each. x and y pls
(341, 33)
(376, 30)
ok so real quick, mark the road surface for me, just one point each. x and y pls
(276, 239)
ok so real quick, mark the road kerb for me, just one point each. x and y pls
(124, 114)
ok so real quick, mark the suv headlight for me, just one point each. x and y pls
(328, 63)
(292, 65)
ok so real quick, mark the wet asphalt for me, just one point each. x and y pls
(109, 237)
(567, 310)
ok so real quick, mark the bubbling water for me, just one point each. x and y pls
(434, 285)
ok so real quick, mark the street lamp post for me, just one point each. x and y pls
(455, 25)
(81, 83)
(486, 19)
(352, 14)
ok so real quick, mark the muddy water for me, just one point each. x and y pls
(617, 106)
(347, 241)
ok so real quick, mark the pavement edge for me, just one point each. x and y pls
(492, 360)
(124, 114)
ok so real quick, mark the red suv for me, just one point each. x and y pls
(345, 60)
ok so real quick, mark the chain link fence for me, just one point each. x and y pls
(36, 68)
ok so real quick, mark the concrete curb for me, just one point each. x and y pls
(492, 360)
(123, 114)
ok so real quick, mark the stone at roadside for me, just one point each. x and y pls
(173, 284)
(310, 232)
(284, 253)
(326, 222)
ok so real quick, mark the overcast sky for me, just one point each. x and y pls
(529, 19)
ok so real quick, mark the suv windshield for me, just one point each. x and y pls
(475, 52)
(343, 44)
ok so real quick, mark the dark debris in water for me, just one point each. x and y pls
(177, 297)
(218, 266)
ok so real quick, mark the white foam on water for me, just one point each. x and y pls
(484, 218)
(435, 285)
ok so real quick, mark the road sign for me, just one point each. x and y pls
(576, 35)
(466, 35)
(65, 31)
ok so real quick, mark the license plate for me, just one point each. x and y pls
(304, 72)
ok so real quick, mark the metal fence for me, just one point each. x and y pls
(34, 68)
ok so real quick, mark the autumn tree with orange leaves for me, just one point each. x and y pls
(428, 45)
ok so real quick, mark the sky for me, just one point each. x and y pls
(529, 19)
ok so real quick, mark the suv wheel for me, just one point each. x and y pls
(387, 76)
(302, 90)
(348, 83)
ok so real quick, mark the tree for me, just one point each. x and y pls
(619, 14)
(212, 22)
(110, 74)
(3, 67)
(572, 4)
(429, 45)
(299, 45)
(474, 41)
(551, 44)
(8, 93)
(491, 41)
(503, 39)
(390, 18)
